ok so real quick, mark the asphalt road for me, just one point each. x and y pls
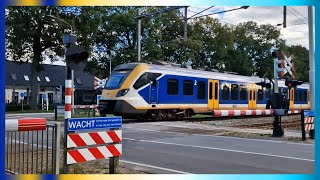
(169, 149)
(201, 154)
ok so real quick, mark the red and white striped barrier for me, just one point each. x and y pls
(92, 138)
(294, 111)
(68, 94)
(93, 153)
(26, 124)
(225, 113)
(86, 106)
(309, 123)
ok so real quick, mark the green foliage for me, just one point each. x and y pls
(245, 48)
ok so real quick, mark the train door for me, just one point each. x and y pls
(213, 94)
(154, 93)
(252, 101)
(291, 98)
(154, 88)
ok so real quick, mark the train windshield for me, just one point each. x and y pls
(116, 79)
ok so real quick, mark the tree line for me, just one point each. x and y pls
(32, 36)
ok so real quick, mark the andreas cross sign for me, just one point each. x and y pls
(287, 65)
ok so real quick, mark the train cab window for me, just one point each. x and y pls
(202, 89)
(143, 80)
(225, 92)
(172, 86)
(300, 95)
(187, 87)
(260, 94)
(243, 92)
(234, 91)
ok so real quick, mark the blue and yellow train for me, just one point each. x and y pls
(161, 92)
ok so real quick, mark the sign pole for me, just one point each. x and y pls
(42, 102)
(65, 169)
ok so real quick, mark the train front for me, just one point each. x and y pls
(118, 96)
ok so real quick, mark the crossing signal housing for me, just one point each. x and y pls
(264, 84)
(292, 83)
(76, 57)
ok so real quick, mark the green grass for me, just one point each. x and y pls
(201, 116)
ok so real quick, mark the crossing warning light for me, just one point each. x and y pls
(292, 83)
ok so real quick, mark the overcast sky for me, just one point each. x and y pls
(295, 33)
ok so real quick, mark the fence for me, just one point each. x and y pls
(33, 151)
(307, 124)
(87, 110)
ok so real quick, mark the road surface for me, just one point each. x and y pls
(157, 148)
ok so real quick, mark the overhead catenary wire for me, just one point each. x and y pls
(200, 12)
(298, 13)
(242, 7)
(296, 16)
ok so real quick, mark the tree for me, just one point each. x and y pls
(300, 60)
(31, 37)
(253, 43)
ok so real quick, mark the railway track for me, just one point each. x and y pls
(269, 125)
(197, 119)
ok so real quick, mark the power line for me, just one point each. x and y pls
(242, 7)
(296, 16)
(201, 11)
(299, 13)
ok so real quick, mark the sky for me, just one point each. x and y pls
(296, 32)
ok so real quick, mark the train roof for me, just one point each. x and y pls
(210, 74)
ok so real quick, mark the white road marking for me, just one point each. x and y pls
(154, 167)
(219, 149)
(171, 132)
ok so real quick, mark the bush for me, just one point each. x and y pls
(16, 107)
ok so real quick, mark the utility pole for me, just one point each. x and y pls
(185, 34)
(311, 58)
(138, 35)
(284, 16)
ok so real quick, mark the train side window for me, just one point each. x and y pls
(300, 95)
(225, 92)
(172, 86)
(243, 93)
(260, 94)
(202, 90)
(143, 80)
(187, 87)
(305, 96)
(234, 91)
(296, 95)
(268, 92)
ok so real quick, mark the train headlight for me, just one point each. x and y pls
(122, 92)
